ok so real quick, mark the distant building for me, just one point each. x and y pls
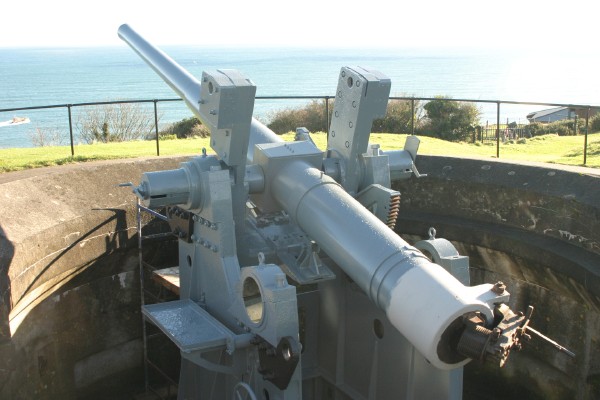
(552, 115)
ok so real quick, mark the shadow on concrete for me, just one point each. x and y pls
(81, 336)
(115, 241)
(7, 252)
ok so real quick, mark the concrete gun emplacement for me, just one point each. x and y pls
(293, 282)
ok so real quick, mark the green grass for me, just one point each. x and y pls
(549, 148)
(24, 158)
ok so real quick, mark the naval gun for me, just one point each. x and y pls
(293, 282)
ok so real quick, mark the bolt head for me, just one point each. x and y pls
(499, 287)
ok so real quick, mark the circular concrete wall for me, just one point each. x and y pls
(70, 325)
(536, 228)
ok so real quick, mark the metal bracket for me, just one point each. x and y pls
(384, 203)
(226, 106)
(362, 96)
(299, 256)
(444, 253)
(189, 326)
(277, 364)
(181, 223)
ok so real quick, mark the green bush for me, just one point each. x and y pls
(311, 116)
(560, 128)
(450, 120)
(398, 117)
(188, 127)
(595, 123)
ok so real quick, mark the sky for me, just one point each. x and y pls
(522, 24)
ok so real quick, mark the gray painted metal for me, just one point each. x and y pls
(354, 238)
(445, 254)
(362, 96)
(183, 83)
(309, 228)
(188, 325)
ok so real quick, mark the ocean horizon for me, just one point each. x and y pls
(31, 77)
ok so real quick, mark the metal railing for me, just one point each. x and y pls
(578, 107)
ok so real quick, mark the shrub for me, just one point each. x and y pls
(311, 116)
(450, 120)
(46, 137)
(560, 128)
(595, 123)
(397, 117)
(188, 127)
(115, 123)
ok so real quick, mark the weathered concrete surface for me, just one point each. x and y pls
(69, 304)
(537, 228)
(68, 279)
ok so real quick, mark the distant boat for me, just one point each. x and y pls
(15, 121)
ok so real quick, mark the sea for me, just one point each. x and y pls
(32, 77)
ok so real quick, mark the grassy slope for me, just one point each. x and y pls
(549, 148)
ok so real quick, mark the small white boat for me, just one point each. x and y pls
(15, 121)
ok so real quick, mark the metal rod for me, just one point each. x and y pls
(156, 128)
(498, 130)
(186, 85)
(159, 235)
(95, 103)
(265, 135)
(180, 80)
(142, 298)
(162, 373)
(412, 116)
(552, 342)
(154, 213)
(71, 131)
(530, 103)
(585, 144)
(327, 113)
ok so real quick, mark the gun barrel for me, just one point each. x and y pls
(181, 81)
(421, 299)
(185, 84)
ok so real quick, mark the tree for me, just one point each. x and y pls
(450, 120)
(115, 123)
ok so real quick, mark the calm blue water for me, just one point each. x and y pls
(38, 77)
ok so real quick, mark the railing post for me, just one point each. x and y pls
(498, 129)
(71, 130)
(412, 116)
(156, 127)
(326, 114)
(585, 143)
